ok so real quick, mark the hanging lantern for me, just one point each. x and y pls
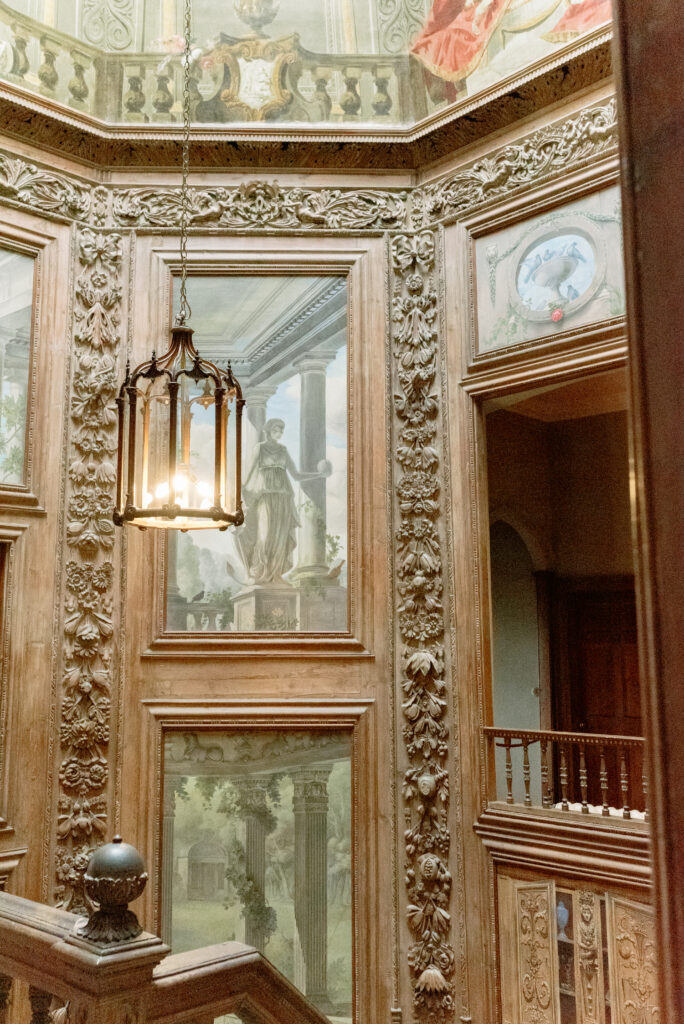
(179, 454)
(173, 468)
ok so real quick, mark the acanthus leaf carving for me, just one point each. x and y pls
(425, 791)
(88, 623)
(42, 190)
(550, 151)
(260, 205)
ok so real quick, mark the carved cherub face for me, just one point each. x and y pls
(427, 785)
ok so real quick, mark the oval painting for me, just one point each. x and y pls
(555, 272)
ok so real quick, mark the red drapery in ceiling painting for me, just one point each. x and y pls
(580, 17)
(455, 36)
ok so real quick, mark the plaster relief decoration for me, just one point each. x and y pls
(421, 627)
(88, 618)
(257, 205)
(285, 569)
(16, 306)
(257, 847)
(548, 152)
(538, 982)
(633, 962)
(553, 274)
(109, 24)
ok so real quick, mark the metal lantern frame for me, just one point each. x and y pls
(180, 364)
(182, 360)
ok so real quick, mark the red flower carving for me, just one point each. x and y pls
(557, 315)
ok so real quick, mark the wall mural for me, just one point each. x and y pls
(383, 61)
(258, 848)
(16, 308)
(285, 569)
(551, 274)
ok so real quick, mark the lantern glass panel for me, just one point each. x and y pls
(285, 569)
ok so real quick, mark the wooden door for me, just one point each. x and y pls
(598, 681)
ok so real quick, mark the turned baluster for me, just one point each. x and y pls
(5, 989)
(40, 1006)
(564, 776)
(509, 771)
(350, 101)
(526, 773)
(546, 796)
(47, 72)
(162, 101)
(321, 77)
(20, 61)
(583, 778)
(624, 784)
(78, 87)
(382, 101)
(605, 811)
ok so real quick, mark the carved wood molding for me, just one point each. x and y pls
(560, 844)
(257, 206)
(89, 618)
(420, 621)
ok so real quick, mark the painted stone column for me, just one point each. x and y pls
(312, 448)
(171, 787)
(310, 803)
(255, 407)
(254, 808)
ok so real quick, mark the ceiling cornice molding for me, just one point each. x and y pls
(587, 135)
(345, 147)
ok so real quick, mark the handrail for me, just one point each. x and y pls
(594, 738)
(589, 772)
(136, 979)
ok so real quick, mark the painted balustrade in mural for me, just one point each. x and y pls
(588, 773)
(394, 64)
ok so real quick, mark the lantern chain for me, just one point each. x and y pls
(184, 310)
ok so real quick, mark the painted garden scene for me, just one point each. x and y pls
(258, 849)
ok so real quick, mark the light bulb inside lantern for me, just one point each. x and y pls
(162, 491)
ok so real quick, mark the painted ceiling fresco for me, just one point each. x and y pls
(333, 61)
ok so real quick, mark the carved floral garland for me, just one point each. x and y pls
(88, 622)
(421, 625)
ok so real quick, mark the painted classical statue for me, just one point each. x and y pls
(268, 537)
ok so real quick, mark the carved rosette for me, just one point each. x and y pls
(421, 625)
(88, 620)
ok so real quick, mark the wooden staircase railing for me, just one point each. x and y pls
(134, 980)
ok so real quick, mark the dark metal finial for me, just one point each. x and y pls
(115, 876)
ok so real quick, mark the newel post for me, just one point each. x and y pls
(116, 958)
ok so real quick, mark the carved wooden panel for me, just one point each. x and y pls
(589, 986)
(633, 962)
(536, 955)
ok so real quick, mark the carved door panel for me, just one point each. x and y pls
(529, 966)
(633, 961)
